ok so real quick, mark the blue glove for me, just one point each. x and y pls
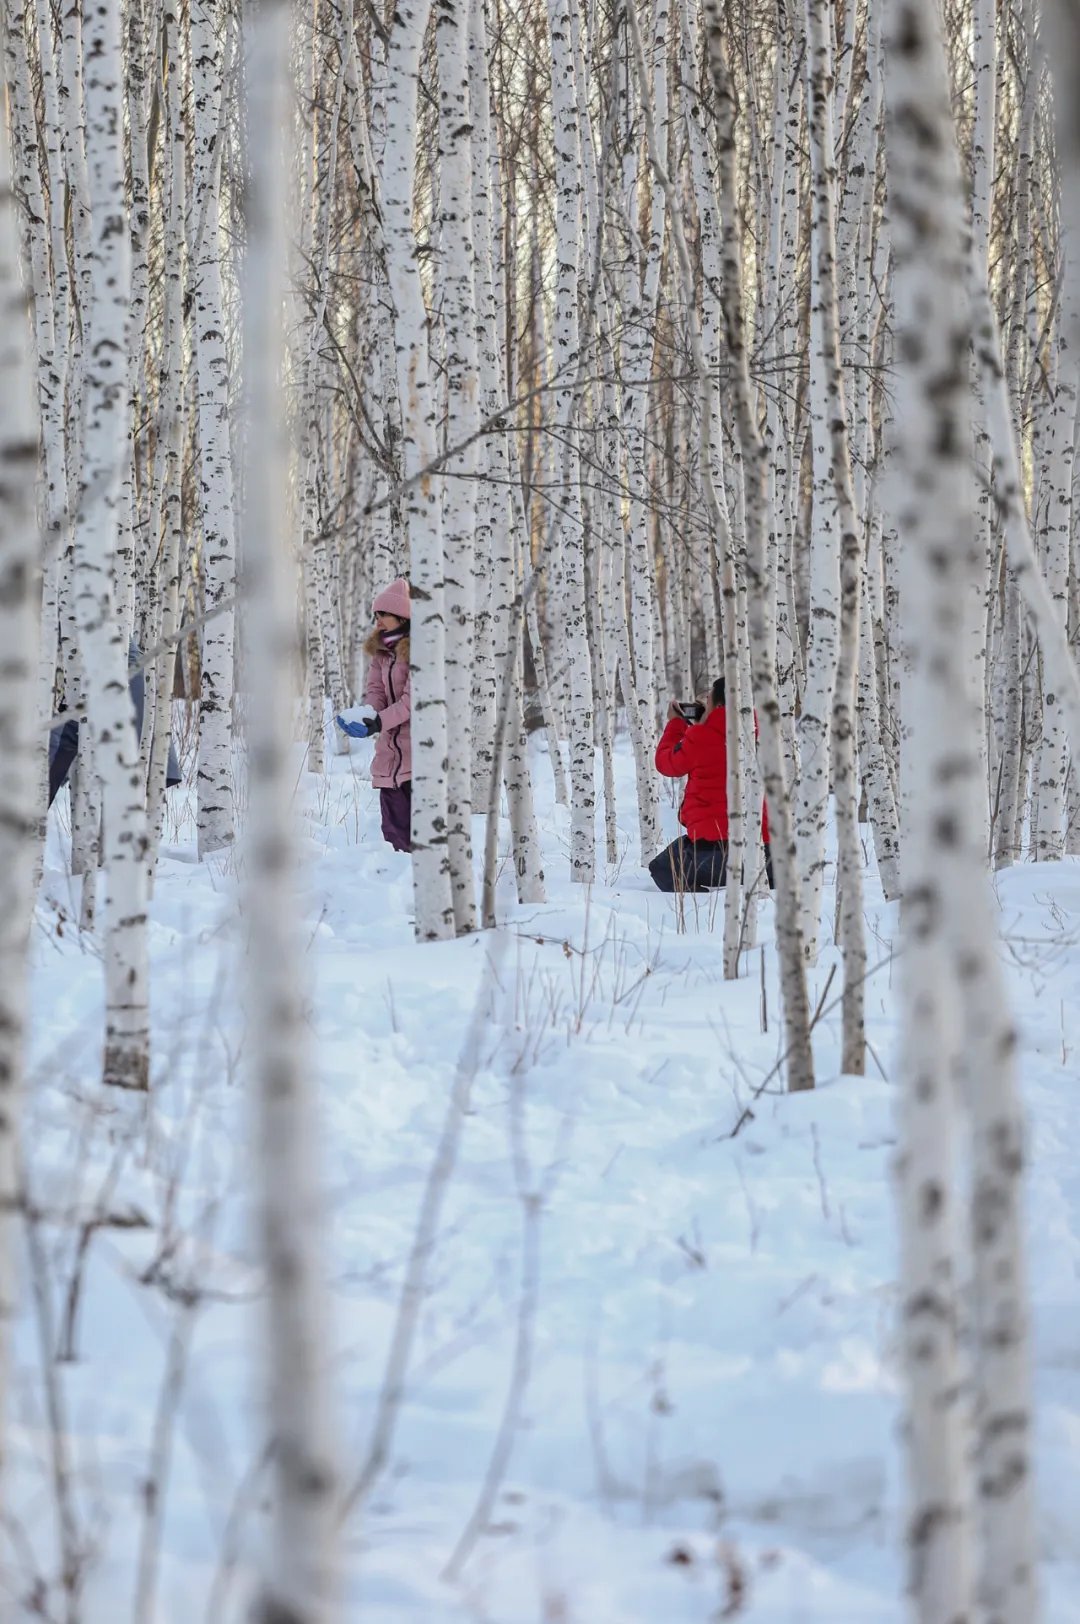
(359, 730)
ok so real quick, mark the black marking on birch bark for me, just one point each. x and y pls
(931, 1199)
(272, 1610)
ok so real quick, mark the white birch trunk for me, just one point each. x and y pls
(568, 517)
(300, 1574)
(778, 424)
(729, 552)
(873, 753)
(1063, 21)
(431, 879)
(950, 960)
(823, 642)
(21, 744)
(1063, 26)
(135, 81)
(638, 291)
(101, 636)
(711, 474)
(762, 621)
(492, 542)
(1023, 578)
(983, 158)
(505, 546)
(1049, 812)
(458, 489)
(166, 529)
(34, 161)
(849, 526)
(217, 555)
(932, 519)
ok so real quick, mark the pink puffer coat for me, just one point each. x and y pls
(387, 691)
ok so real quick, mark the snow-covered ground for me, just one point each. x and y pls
(682, 1277)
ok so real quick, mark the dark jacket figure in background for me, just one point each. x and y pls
(64, 740)
(697, 751)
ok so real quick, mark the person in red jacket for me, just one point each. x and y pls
(697, 861)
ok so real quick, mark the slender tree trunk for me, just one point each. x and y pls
(798, 1051)
(842, 721)
(21, 745)
(1049, 812)
(458, 491)
(102, 639)
(568, 517)
(166, 529)
(951, 968)
(823, 642)
(300, 1577)
(217, 555)
(431, 878)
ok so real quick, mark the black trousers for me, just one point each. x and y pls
(696, 865)
(63, 748)
(396, 808)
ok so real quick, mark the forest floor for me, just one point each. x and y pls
(698, 1269)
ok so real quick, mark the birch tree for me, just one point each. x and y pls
(823, 642)
(957, 1027)
(421, 506)
(114, 754)
(299, 1577)
(849, 526)
(463, 409)
(798, 1054)
(217, 556)
(569, 546)
(21, 749)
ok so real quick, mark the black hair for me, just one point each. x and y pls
(718, 693)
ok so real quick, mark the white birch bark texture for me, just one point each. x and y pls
(492, 545)
(30, 159)
(217, 555)
(166, 526)
(1063, 17)
(729, 556)
(1055, 509)
(21, 745)
(957, 1025)
(638, 296)
(316, 643)
(1024, 577)
(1063, 28)
(33, 163)
(847, 540)
(983, 157)
(710, 472)
(458, 487)
(498, 713)
(799, 1055)
(421, 502)
(568, 516)
(133, 21)
(778, 425)
(823, 639)
(102, 641)
(299, 1581)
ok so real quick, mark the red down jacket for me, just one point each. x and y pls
(699, 753)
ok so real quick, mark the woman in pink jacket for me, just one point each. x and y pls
(387, 692)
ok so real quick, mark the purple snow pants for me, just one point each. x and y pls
(396, 807)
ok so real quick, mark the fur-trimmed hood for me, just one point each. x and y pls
(373, 646)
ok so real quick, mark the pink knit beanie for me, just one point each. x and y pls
(394, 599)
